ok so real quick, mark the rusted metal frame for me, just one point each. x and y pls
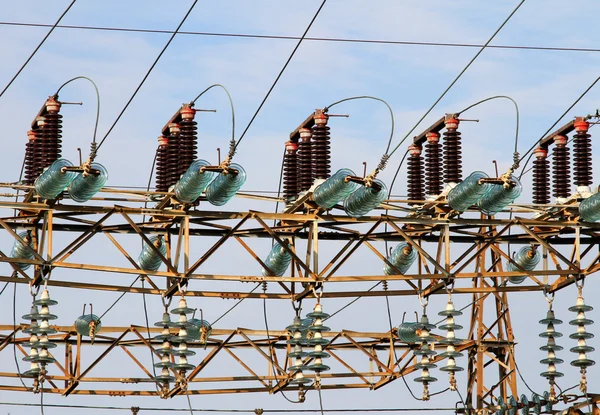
(258, 349)
(490, 391)
(216, 246)
(385, 380)
(94, 363)
(19, 239)
(285, 246)
(347, 366)
(483, 247)
(385, 260)
(380, 364)
(550, 248)
(13, 263)
(419, 249)
(24, 352)
(210, 356)
(131, 260)
(495, 359)
(137, 362)
(237, 359)
(178, 247)
(363, 238)
(147, 241)
(260, 261)
(9, 337)
(497, 321)
(81, 239)
(336, 257)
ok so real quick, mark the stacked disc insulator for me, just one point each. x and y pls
(416, 181)
(561, 173)
(317, 341)
(188, 139)
(321, 147)
(541, 176)
(39, 330)
(173, 169)
(450, 341)
(581, 335)
(433, 164)
(290, 172)
(551, 348)
(452, 152)
(162, 164)
(298, 330)
(582, 154)
(182, 339)
(165, 351)
(426, 354)
(304, 162)
(51, 134)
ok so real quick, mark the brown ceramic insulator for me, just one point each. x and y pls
(452, 153)
(561, 175)
(416, 182)
(290, 172)
(162, 163)
(30, 158)
(321, 147)
(433, 164)
(188, 139)
(172, 168)
(582, 154)
(304, 160)
(51, 134)
(541, 177)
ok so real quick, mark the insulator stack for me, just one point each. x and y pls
(433, 164)
(450, 341)
(54, 180)
(172, 168)
(551, 348)
(541, 176)
(225, 185)
(50, 145)
(162, 164)
(402, 257)
(452, 152)
(416, 185)
(298, 339)
(365, 199)
(335, 189)
(165, 351)
(195, 180)
(581, 335)
(469, 192)
(88, 325)
(582, 154)
(149, 259)
(30, 158)
(305, 173)
(277, 262)
(290, 172)
(321, 147)
(318, 341)
(20, 250)
(85, 186)
(39, 330)
(561, 174)
(199, 330)
(188, 139)
(182, 339)
(528, 257)
(499, 196)
(589, 209)
(426, 354)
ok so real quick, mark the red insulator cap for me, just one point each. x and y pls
(187, 113)
(414, 150)
(174, 128)
(40, 121)
(432, 137)
(305, 133)
(540, 153)
(31, 135)
(581, 125)
(52, 105)
(163, 141)
(320, 117)
(560, 140)
(451, 123)
(291, 146)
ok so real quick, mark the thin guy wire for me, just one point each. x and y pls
(235, 305)
(187, 395)
(280, 73)
(458, 77)
(118, 299)
(4, 288)
(37, 48)
(148, 73)
(308, 38)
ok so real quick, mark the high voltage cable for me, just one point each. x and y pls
(54, 26)
(307, 38)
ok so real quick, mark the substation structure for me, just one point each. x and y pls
(469, 259)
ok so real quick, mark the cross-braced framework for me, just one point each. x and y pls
(461, 255)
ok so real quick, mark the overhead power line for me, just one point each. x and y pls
(311, 39)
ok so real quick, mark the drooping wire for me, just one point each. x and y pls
(54, 26)
(457, 77)
(147, 73)
(307, 38)
(187, 395)
(237, 303)
(42, 400)
(4, 288)
(280, 74)
(97, 101)
(530, 151)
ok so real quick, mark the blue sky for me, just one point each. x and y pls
(409, 77)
